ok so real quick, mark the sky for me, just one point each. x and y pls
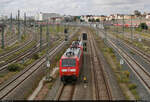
(73, 7)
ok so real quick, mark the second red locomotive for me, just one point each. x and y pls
(71, 62)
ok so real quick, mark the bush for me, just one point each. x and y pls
(35, 56)
(139, 29)
(22, 37)
(14, 67)
(28, 62)
(125, 80)
(110, 50)
(132, 86)
(112, 55)
(143, 26)
(127, 73)
(134, 92)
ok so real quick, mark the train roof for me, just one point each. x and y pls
(72, 53)
(77, 42)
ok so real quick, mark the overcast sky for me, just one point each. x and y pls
(73, 7)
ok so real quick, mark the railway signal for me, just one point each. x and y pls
(84, 37)
(121, 61)
(66, 35)
(48, 77)
(48, 64)
(139, 39)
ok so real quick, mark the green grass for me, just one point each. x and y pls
(20, 51)
(28, 62)
(132, 52)
(134, 92)
(1, 75)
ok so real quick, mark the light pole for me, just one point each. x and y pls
(24, 23)
(117, 25)
(2, 29)
(140, 29)
(40, 37)
(131, 29)
(48, 34)
(35, 36)
(19, 35)
(114, 24)
(105, 28)
(11, 23)
(123, 27)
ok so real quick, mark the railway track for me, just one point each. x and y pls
(15, 50)
(16, 82)
(9, 41)
(65, 92)
(144, 55)
(138, 69)
(102, 89)
(23, 55)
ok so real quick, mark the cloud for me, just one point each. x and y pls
(73, 7)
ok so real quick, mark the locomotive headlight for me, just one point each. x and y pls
(64, 70)
(72, 70)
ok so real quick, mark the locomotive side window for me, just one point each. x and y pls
(68, 63)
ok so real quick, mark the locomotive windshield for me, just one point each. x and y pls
(68, 63)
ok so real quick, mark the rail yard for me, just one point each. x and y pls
(55, 57)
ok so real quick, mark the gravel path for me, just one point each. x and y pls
(83, 90)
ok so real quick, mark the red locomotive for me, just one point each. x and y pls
(71, 62)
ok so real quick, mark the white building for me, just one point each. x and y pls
(39, 17)
(46, 16)
(3, 17)
(148, 16)
(85, 18)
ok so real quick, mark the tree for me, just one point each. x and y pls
(82, 20)
(89, 20)
(137, 13)
(143, 26)
(93, 20)
(75, 18)
(97, 20)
